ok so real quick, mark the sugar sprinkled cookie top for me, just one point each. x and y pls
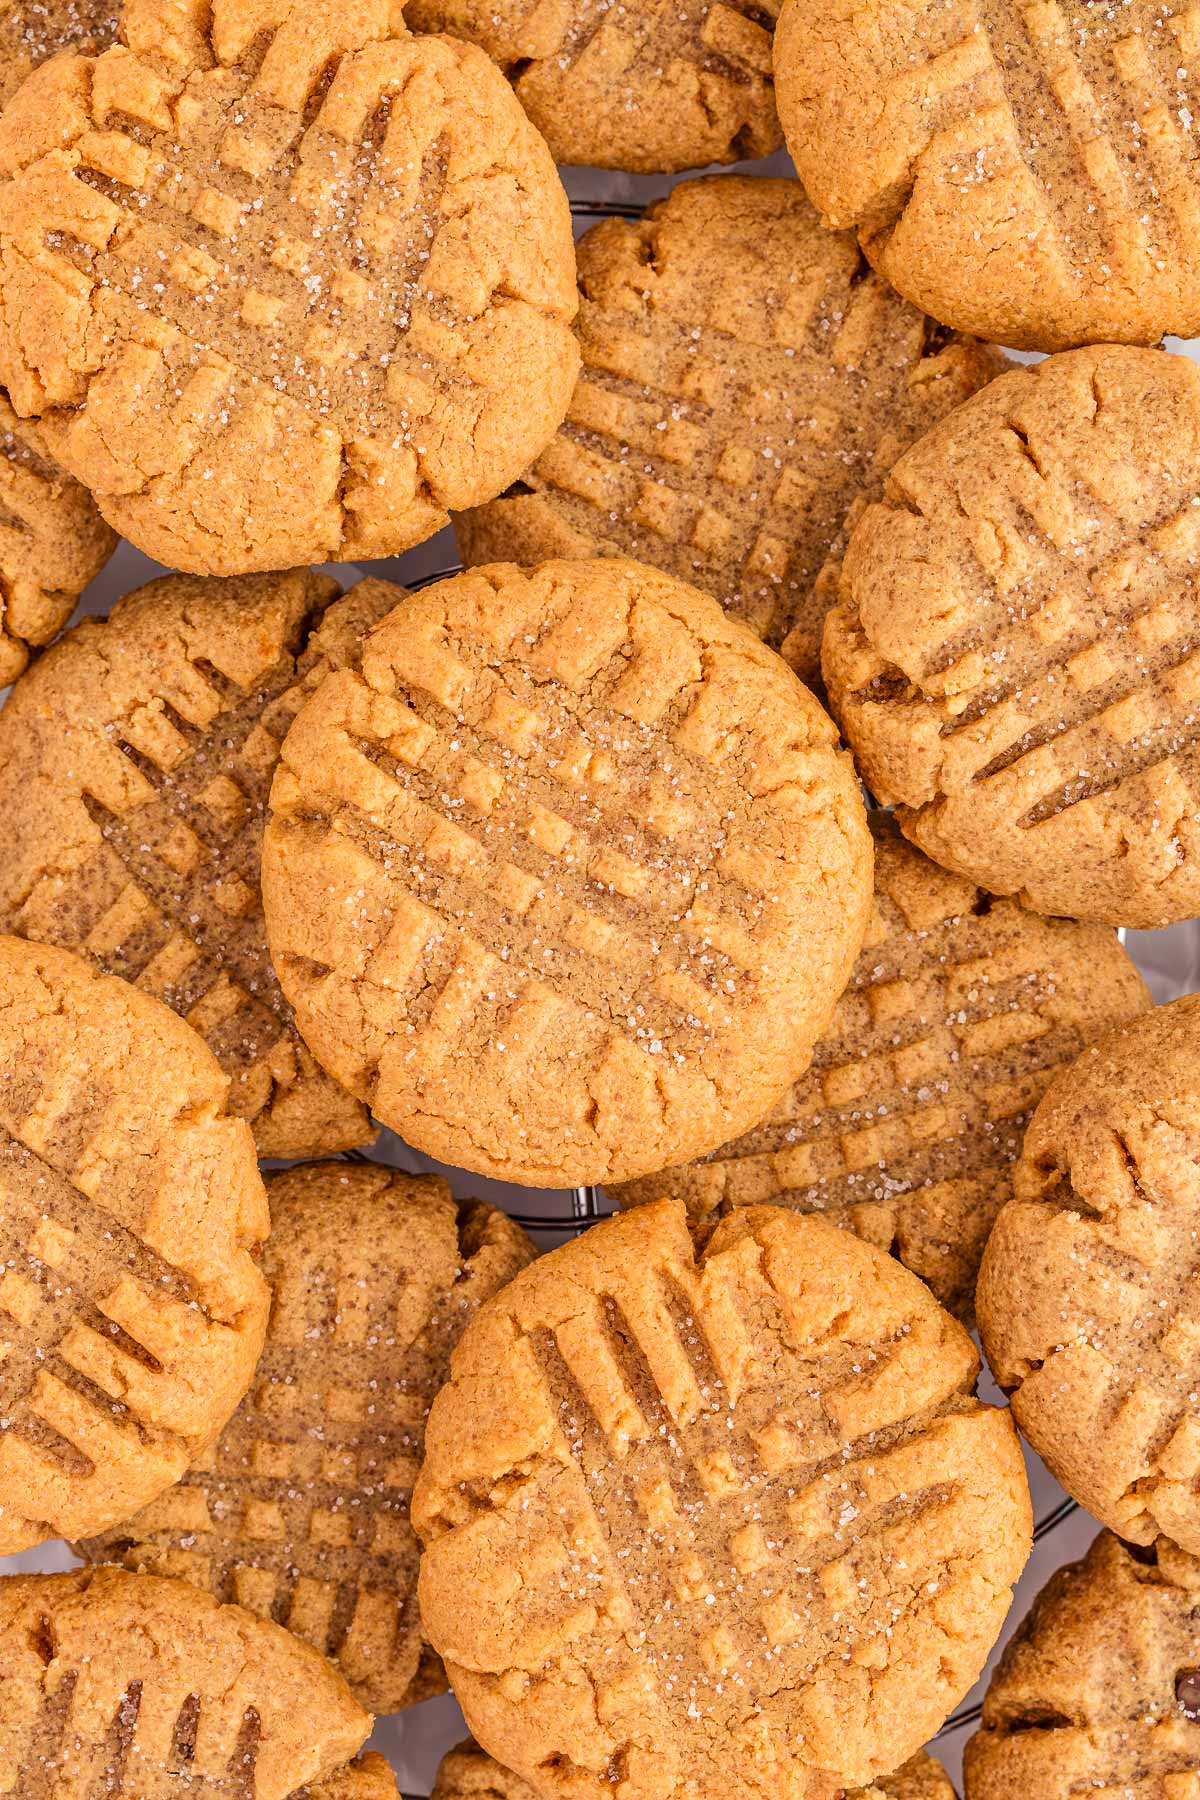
(1027, 170)
(568, 876)
(131, 1310)
(1014, 656)
(1099, 1691)
(664, 84)
(726, 1524)
(300, 1511)
(127, 1686)
(747, 382)
(960, 1010)
(1087, 1293)
(135, 762)
(285, 284)
(31, 31)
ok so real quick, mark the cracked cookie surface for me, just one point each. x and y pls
(664, 85)
(1022, 169)
(723, 1523)
(1099, 1691)
(274, 283)
(300, 1511)
(568, 876)
(469, 1773)
(127, 1685)
(1089, 1293)
(131, 1310)
(1015, 657)
(52, 542)
(959, 1011)
(135, 762)
(32, 31)
(746, 384)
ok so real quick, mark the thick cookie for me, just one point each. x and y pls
(131, 1312)
(663, 85)
(1014, 656)
(128, 1686)
(731, 1525)
(746, 384)
(283, 284)
(1099, 1691)
(32, 31)
(300, 1509)
(1023, 171)
(1088, 1301)
(959, 1012)
(52, 542)
(566, 881)
(135, 762)
(469, 1773)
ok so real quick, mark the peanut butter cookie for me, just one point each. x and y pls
(131, 1311)
(959, 1012)
(300, 1509)
(31, 31)
(746, 384)
(566, 881)
(128, 1686)
(283, 284)
(665, 84)
(1099, 1691)
(469, 1773)
(1015, 657)
(52, 542)
(135, 762)
(1088, 1298)
(726, 1525)
(1022, 169)
(369, 1777)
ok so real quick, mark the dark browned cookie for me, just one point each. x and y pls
(300, 1510)
(135, 761)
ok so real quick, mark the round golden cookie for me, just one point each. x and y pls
(1014, 656)
(731, 1525)
(285, 284)
(300, 1509)
(566, 881)
(1099, 1691)
(131, 1311)
(32, 31)
(661, 85)
(128, 1686)
(52, 541)
(135, 762)
(1088, 1300)
(958, 1013)
(746, 384)
(1022, 169)
(469, 1773)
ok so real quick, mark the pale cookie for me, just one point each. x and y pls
(731, 1525)
(135, 762)
(746, 385)
(1015, 658)
(300, 1509)
(131, 1312)
(1022, 169)
(469, 1773)
(959, 1012)
(566, 881)
(52, 542)
(660, 85)
(127, 1686)
(1098, 1693)
(1089, 1296)
(283, 282)
(31, 31)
